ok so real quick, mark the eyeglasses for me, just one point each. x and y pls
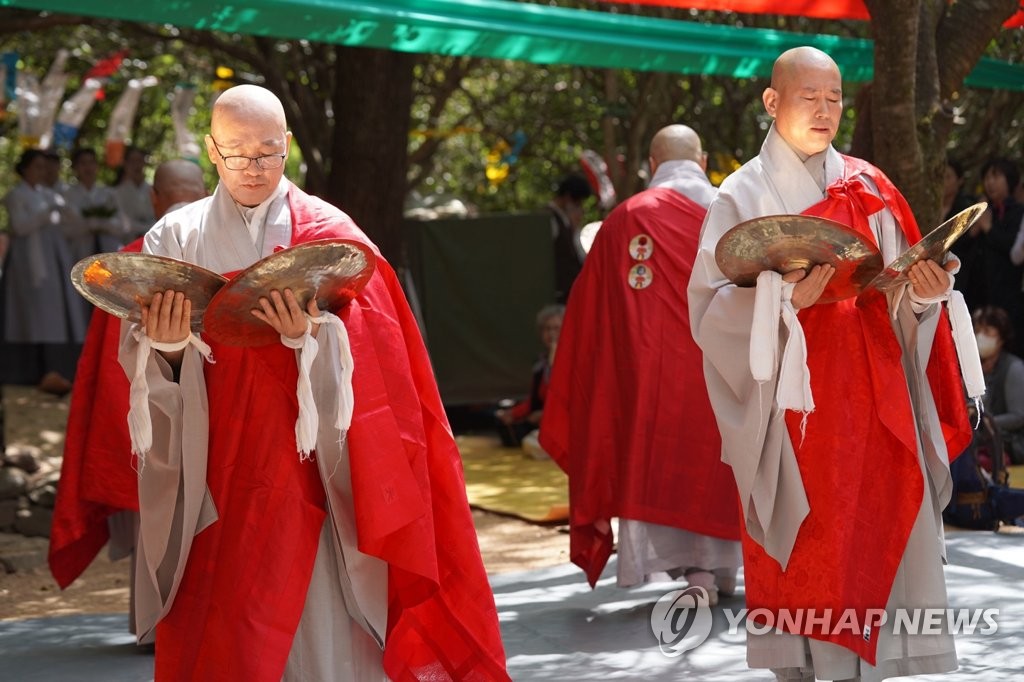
(240, 163)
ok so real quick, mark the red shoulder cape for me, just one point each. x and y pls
(858, 456)
(627, 414)
(97, 478)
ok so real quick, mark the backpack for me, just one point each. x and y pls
(982, 498)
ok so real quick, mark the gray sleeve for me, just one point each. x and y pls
(1013, 389)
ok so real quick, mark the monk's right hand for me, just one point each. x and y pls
(167, 317)
(809, 285)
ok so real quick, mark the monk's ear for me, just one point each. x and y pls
(770, 97)
(211, 151)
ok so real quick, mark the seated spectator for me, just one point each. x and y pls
(518, 421)
(1004, 378)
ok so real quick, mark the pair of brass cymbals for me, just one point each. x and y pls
(788, 242)
(333, 271)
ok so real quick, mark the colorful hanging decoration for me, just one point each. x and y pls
(224, 78)
(596, 170)
(37, 103)
(122, 119)
(73, 112)
(501, 157)
(74, 109)
(181, 107)
(8, 80)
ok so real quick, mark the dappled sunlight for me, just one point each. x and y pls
(508, 481)
(36, 419)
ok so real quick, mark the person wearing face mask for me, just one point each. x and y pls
(1004, 377)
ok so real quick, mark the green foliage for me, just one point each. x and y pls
(467, 109)
(171, 61)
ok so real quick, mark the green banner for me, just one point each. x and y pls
(500, 29)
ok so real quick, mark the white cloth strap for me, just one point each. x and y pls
(308, 422)
(140, 424)
(966, 347)
(772, 302)
(963, 335)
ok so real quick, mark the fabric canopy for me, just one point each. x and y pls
(815, 9)
(501, 29)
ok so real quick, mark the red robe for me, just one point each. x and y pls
(627, 414)
(247, 575)
(97, 478)
(858, 457)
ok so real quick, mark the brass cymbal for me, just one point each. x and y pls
(933, 246)
(333, 271)
(120, 282)
(787, 242)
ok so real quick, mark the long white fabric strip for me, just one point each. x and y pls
(966, 347)
(140, 423)
(772, 302)
(308, 422)
(963, 336)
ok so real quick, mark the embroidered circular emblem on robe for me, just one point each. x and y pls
(641, 247)
(640, 276)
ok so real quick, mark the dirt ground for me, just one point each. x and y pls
(28, 591)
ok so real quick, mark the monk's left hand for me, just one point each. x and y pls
(282, 312)
(928, 279)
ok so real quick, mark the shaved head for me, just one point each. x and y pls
(793, 62)
(248, 105)
(676, 143)
(805, 99)
(177, 181)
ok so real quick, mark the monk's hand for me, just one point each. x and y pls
(809, 285)
(167, 317)
(283, 313)
(928, 279)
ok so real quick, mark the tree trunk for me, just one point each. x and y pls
(924, 50)
(366, 179)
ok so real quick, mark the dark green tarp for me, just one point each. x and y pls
(502, 29)
(480, 283)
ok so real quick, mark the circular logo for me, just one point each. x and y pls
(640, 276)
(681, 620)
(641, 247)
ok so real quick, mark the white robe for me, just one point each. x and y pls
(341, 633)
(87, 235)
(755, 439)
(136, 204)
(41, 305)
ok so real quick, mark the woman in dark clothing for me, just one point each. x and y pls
(997, 231)
(970, 279)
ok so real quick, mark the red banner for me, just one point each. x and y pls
(816, 9)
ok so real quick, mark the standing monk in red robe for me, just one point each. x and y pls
(627, 415)
(841, 450)
(331, 542)
(98, 500)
